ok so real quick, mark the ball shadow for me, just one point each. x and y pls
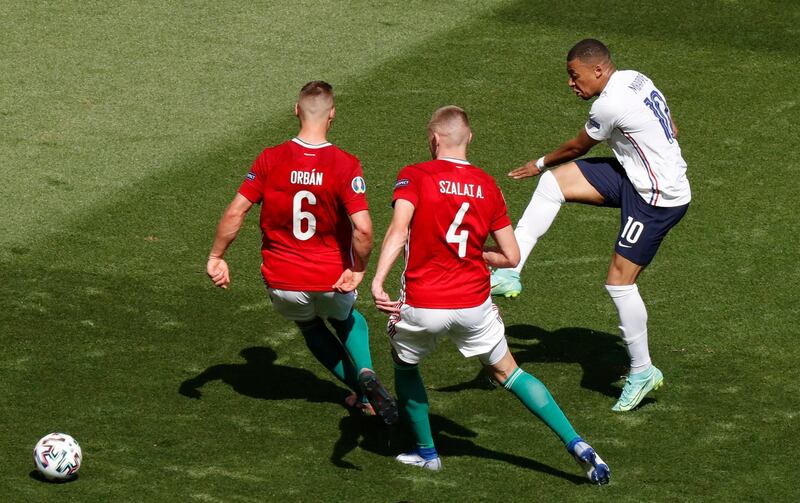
(37, 475)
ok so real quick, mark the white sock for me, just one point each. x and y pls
(633, 324)
(539, 214)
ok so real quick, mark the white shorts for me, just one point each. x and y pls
(476, 331)
(305, 306)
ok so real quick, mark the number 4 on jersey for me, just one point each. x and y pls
(461, 237)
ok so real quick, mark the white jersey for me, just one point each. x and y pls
(633, 117)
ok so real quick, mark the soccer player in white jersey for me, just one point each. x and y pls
(444, 210)
(646, 180)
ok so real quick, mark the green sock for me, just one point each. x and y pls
(329, 351)
(536, 397)
(354, 334)
(412, 398)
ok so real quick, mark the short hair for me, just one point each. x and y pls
(589, 49)
(450, 122)
(315, 98)
(316, 88)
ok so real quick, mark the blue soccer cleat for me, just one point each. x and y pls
(505, 283)
(636, 387)
(594, 466)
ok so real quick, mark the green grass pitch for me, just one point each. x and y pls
(125, 128)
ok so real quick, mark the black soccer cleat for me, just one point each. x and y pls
(384, 404)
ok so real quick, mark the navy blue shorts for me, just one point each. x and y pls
(641, 227)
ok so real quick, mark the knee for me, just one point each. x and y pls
(616, 277)
(502, 370)
(550, 187)
(622, 272)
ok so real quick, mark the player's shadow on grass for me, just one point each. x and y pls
(261, 378)
(600, 355)
(451, 438)
(358, 430)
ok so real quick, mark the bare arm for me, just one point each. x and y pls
(674, 127)
(362, 247)
(567, 151)
(227, 229)
(393, 245)
(506, 253)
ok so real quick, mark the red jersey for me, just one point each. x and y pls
(456, 206)
(307, 193)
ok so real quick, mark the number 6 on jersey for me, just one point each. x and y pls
(461, 237)
(298, 216)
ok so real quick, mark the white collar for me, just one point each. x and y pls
(310, 145)
(455, 161)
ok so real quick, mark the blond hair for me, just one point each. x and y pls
(451, 124)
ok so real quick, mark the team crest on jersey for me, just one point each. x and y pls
(359, 185)
(401, 183)
(594, 123)
(251, 176)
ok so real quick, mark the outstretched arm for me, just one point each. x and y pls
(567, 151)
(191, 387)
(227, 229)
(393, 244)
(362, 247)
(506, 253)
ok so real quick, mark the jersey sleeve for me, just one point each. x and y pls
(253, 185)
(602, 120)
(353, 191)
(406, 186)
(500, 217)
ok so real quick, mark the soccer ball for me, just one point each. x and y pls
(57, 456)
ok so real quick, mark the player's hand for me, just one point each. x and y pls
(493, 257)
(383, 302)
(529, 169)
(348, 281)
(217, 270)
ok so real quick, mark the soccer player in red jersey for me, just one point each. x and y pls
(316, 241)
(444, 211)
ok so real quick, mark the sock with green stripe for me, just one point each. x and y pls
(537, 398)
(354, 334)
(329, 351)
(412, 398)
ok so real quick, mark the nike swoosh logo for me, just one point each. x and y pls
(624, 246)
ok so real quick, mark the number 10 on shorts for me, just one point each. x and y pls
(632, 231)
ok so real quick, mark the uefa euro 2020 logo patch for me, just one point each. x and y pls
(359, 185)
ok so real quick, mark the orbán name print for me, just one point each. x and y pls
(306, 177)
